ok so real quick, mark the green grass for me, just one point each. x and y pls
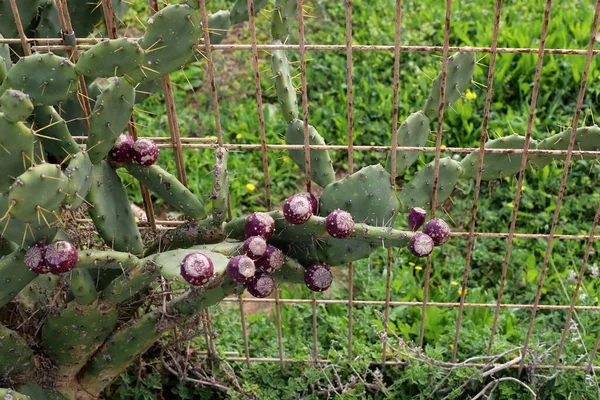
(521, 25)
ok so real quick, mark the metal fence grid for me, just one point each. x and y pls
(179, 144)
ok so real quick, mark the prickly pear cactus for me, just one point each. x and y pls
(84, 290)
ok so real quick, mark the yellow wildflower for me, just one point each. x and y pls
(412, 264)
(286, 159)
(250, 187)
(510, 205)
(443, 146)
(454, 283)
(460, 291)
(452, 346)
(470, 95)
(211, 137)
(418, 268)
(372, 143)
(238, 136)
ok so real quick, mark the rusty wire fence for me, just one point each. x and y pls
(181, 144)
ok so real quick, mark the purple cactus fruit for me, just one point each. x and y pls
(241, 268)
(420, 245)
(259, 224)
(438, 230)
(416, 218)
(297, 209)
(255, 247)
(271, 261)
(122, 149)
(61, 256)
(145, 152)
(197, 268)
(35, 259)
(261, 285)
(339, 224)
(318, 277)
(313, 201)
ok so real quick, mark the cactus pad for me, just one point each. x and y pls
(16, 358)
(110, 117)
(47, 78)
(461, 67)
(16, 151)
(496, 165)
(419, 190)
(413, 132)
(55, 135)
(16, 105)
(218, 25)
(22, 233)
(286, 93)
(587, 139)
(284, 14)
(168, 188)
(321, 167)
(79, 173)
(239, 10)
(111, 211)
(37, 192)
(115, 57)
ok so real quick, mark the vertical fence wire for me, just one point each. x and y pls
(438, 144)
(395, 112)
(513, 222)
(350, 122)
(563, 182)
(590, 366)
(19, 24)
(482, 140)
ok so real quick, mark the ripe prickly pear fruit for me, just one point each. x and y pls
(35, 258)
(259, 224)
(271, 261)
(438, 230)
(416, 218)
(61, 256)
(420, 245)
(197, 268)
(318, 277)
(261, 285)
(313, 201)
(241, 268)
(145, 152)
(122, 151)
(297, 209)
(339, 224)
(255, 247)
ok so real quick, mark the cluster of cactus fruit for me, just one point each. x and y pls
(88, 337)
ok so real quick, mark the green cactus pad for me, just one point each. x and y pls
(220, 191)
(38, 293)
(38, 191)
(105, 260)
(169, 41)
(82, 286)
(14, 276)
(461, 67)
(27, 12)
(168, 188)
(79, 173)
(413, 132)
(16, 358)
(25, 234)
(286, 93)
(47, 78)
(16, 151)
(5, 61)
(418, 192)
(75, 333)
(115, 57)
(218, 25)
(321, 167)
(497, 165)
(54, 133)
(283, 16)
(16, 105)
(239, 10)
(6, 247)
(370, 197)
(133, 281)
(587, 139)
(186, 235)
(71, 112)
(111, 211)
(110, 117)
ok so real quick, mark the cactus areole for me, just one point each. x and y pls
(86, 331)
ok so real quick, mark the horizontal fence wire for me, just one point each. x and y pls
(179, 144)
